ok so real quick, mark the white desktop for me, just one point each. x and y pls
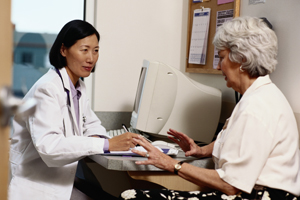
(166, 98)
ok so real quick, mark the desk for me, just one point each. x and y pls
(151, 173)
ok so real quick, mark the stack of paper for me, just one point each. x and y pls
(139, 148)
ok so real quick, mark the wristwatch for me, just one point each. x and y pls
(177, 167)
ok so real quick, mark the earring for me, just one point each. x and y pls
(241, 69)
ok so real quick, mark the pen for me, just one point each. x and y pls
(125, 128)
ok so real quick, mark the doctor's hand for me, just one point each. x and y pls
(154, 155)
(186, 143)
(122, 142)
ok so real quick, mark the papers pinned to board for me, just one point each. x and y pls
(199, 37)
(222, 17)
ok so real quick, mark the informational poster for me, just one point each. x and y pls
(222, 16)
(199, 37)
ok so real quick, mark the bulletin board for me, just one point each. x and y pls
(213, 5)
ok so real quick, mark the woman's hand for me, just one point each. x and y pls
(186, 143)
(122, 142)
(155, 156)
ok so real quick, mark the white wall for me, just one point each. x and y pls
(284, 16)
(133, 30)
(90, 16)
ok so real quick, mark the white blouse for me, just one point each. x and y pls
(259, 144)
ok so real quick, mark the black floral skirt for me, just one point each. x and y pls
(157, 194)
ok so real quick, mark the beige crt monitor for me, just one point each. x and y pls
(166, 98)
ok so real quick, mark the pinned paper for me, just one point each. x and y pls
(224, 1)
(222, 16)
(199, 38)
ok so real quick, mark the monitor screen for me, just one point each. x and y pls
(139, 89)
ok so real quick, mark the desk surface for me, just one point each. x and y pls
(121, 163)
(151, 173)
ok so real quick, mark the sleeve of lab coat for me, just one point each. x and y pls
(47, 129)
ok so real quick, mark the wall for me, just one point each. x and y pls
(284, 17)
(130, 32)
(157, 30)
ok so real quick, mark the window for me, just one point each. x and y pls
(37, 24)
(27, 58)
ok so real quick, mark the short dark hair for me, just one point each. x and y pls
(68, 36)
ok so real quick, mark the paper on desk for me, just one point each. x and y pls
(139, 148)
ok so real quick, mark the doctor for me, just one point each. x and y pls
(46, 146)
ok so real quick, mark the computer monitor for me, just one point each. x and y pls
(166, 98)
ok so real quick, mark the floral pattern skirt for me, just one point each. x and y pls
(263, 194)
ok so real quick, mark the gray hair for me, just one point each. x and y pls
(251, 42)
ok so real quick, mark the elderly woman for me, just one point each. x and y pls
(256, 155)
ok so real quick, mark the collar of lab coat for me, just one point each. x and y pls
(67, 86)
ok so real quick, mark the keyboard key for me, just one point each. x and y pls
(117, 132)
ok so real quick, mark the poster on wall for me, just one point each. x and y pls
(222, 16)
(199, 38)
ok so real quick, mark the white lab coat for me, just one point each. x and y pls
(46, 147)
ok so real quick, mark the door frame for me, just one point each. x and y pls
(6, 56)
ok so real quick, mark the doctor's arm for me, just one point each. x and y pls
(93, 128)
(52, 131)
(122, 142)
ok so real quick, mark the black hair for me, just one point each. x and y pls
(267, 22)
(68, 36)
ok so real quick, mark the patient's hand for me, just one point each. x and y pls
(154, 155)
(186, 143)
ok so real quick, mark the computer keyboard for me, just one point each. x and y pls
(116, 132)
(159, 143)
